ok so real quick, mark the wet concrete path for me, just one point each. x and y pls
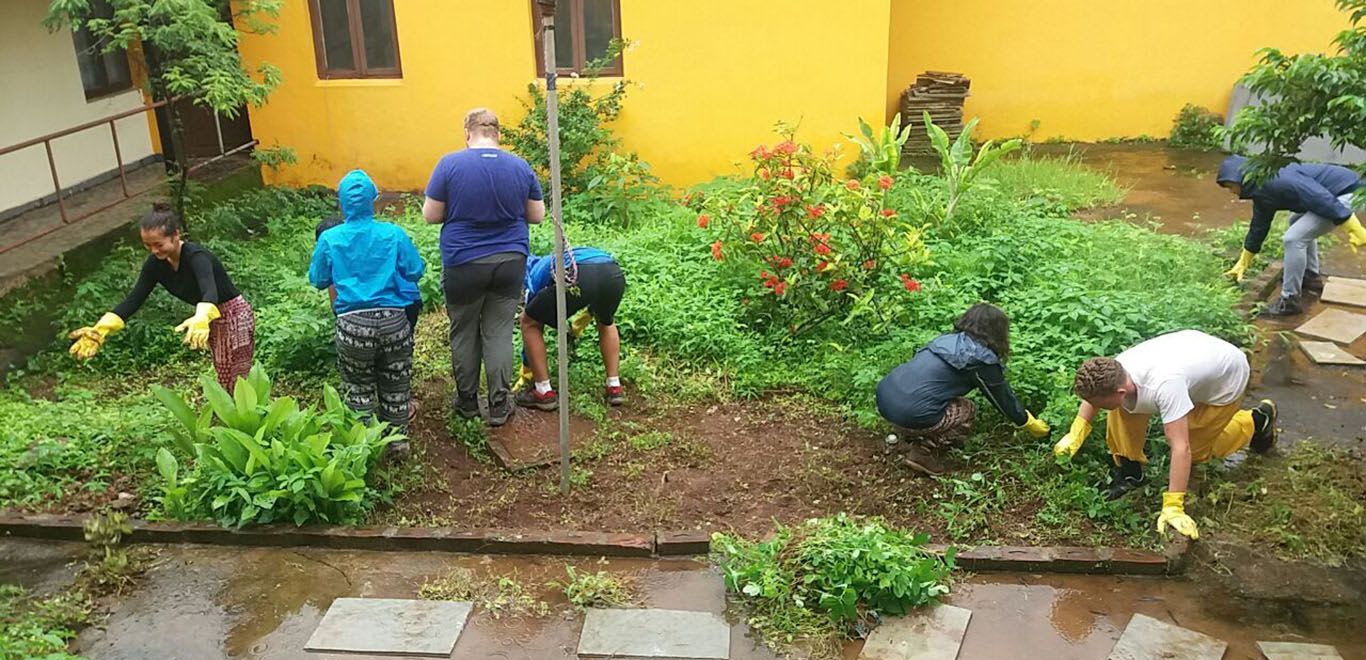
(263, 603)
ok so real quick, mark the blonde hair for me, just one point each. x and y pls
(1098, 377)
(482, 122)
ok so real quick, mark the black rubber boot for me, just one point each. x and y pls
(1312, 285)
(1263, 427)
(1125, 477)
(1284, 306)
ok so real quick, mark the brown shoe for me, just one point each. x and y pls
(412, 411)
(922, 460)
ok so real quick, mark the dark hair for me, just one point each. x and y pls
(1098, 377)
(161, 218)
(326, 224)
(988, 325)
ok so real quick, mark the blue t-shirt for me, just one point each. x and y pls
(540, 271)
(485, 190)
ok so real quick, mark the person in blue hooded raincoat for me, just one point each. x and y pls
(1319, 197)
(373, 266)
(925, 398)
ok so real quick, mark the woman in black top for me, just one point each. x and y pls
(223, 321)
(925, 397)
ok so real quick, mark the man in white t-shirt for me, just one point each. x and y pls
(1194, 382)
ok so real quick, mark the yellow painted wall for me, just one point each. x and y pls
(713, 75)
(1089, 70)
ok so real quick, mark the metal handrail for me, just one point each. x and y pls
(46, 141)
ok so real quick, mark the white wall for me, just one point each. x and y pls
(40, 93)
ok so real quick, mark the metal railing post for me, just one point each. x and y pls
(118, 157)
(57, 184)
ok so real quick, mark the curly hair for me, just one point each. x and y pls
(1098, 377)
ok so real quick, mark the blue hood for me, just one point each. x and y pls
(1231, 171)
(961, 351)
(356, 194)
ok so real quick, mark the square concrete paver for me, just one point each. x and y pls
(390, 626)
(1326, 352)
(1146, 638)
(1294, 651)
(1335, 325)
(931, 634)
(654, 634)
(1344, 291)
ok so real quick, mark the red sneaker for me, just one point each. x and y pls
(530, 398)
(615, 395)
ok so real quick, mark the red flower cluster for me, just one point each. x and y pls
(763, 174)
(870, 264)
(821, 243)
(760, 153)
(773, 282)
(703, 221)
(851, 184)
(815, 211)
(780, 262)
(910, 284)
(838, 285)
(888, 213)
(756, 237)
(786, 148)
(716, 250)
(884, 182)
(789, 174)
(781, 202)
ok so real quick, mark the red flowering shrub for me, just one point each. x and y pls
(805, 245)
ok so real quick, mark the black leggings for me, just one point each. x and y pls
(599, 288)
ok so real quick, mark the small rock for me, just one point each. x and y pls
(124, 501)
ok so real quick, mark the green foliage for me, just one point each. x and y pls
(616, 189)
(959, 167)
(261, 460)
(651, 440)
(881, 153)
(598, 589)
(39, 628)
(1303, 96)
(843, 569)
(803, 247)
(1054, 183)
(496, 595)
(1195, 127)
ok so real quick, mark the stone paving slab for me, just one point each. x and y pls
(1344, 291)
(932, 634)
(1146, 638)
(624, 634)
(1295, 651)
(1335, 325)
(391, 626)
(1326, 352)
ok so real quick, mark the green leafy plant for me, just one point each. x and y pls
(880, 153)
(959, 167)
(497, 595)
(617, 189)
(1195, 127)
(843, 569)
(1304, 96)
(597, 589)
(111, 568)
(261, 460)
(40, 627)
(803, 246)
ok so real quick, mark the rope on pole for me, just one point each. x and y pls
(552, 108)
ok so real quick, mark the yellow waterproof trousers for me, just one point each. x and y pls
(1215, 431)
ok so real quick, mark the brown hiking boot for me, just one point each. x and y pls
(922, 460)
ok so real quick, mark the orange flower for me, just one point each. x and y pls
(760, 152)
(910, 284)
(870, 264)
(820, 267)
(786, 147)
(788, 174)
(851, 184)
(763, 174)
(779, 288)
(703, 221)
(756, 237)
(716, 250)
(822, 249)
(838, 285)
(888, 213)
(815, 211)
(884, 182)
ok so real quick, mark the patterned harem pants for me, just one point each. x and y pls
(232, 341)
(375, 359)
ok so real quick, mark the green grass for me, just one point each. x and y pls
(1062, 179)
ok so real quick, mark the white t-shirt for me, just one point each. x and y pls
(1175, 371)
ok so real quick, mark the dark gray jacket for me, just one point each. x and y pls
(1299, 187)
(916, 393)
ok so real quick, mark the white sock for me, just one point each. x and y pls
(613, 381)
(542, 386)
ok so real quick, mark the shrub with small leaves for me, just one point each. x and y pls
(1196, 127)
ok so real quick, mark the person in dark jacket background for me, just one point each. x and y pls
(925, 397)
(1320, 199)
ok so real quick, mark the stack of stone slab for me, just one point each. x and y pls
(941, 94)
(1335, 324)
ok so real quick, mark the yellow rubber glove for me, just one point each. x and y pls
(581, 323)
(89, 339)
(1076, 435)
(1356, 234)
(1036, 427)
(196, 328)
(1240, 267)
(1174, 514)
(523, 378)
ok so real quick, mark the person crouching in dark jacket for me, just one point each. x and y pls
(924, 398)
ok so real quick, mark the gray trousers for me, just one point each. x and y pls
(481, 302)
(1302, 247)
(375, 361)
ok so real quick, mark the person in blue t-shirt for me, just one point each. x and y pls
(484, 198)
(371, 265)
(597, 284)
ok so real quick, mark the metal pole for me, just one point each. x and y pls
(552, 107)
